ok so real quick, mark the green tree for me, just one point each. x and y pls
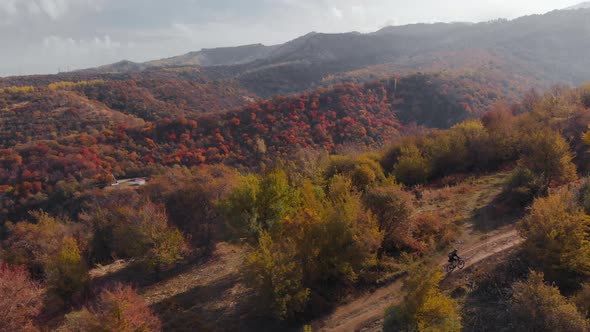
(540, 307)
(67, 273)
(275, 200)
(274, 271)
(364, 170)
(412, 167)
(329, 241)
(259, 204)
(240, 206)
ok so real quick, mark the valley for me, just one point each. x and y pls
(312, 185)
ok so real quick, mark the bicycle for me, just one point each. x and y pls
(458, 263)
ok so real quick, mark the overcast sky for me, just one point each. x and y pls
(43, 36)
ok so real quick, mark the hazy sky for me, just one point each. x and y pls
(43, 36)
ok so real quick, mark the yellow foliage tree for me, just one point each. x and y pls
(548, 155)
(557, 236)
(67, 273)
(540, 307)
(425, 306)
(331, 240)
(272, 269)
(412, 167)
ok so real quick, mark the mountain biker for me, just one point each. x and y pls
(453, 257)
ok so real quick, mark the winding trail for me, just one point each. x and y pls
(366, 312)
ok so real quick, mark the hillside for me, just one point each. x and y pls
(583, 5)
(542, 49)
(325, 208)
(134, 127)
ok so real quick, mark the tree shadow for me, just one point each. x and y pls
(134, 273)
(202, 309)
(487, 305)
(495, 215)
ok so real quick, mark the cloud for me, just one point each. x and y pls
(41, 35)
(54, 8)
(8, 7)
(13, 10)
(337, 13)
(69, 47)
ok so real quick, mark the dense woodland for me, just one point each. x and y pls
(60, 139)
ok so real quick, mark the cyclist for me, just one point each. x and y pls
(453, 257)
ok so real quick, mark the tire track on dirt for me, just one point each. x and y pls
(365, 312)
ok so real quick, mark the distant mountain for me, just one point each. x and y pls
(544, 49)
(217, 56)
(582, 5)
(121, 66)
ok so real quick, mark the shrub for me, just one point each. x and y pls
(136, 228)
(191, 203)
(539, 307)
(363, 170)
(53, 250)
(556, 236)
(521, 188)
(118, 308)
(21, 299)
(425, 307)
(412, 167)
(67, 273)
(393, 208)
(259, 204)
(547, 154)
(272, 269)
(34, 244)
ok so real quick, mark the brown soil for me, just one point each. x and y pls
(366, 313)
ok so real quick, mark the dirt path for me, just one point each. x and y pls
(366, 313)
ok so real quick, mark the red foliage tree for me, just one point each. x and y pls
(20, 300)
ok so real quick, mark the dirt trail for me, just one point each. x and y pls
(366, 313)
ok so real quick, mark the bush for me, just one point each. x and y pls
(539, 307)
(53, 250)
(118, 308)
(272, 269)
(521, 188)
(547, 154)
(135, 228)
(556, 237)
(363, 170)
(67, 273)
(425, 307)
(190, 196)
(260, 204)
(393, 208)
(21, 299)
(412, 167)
